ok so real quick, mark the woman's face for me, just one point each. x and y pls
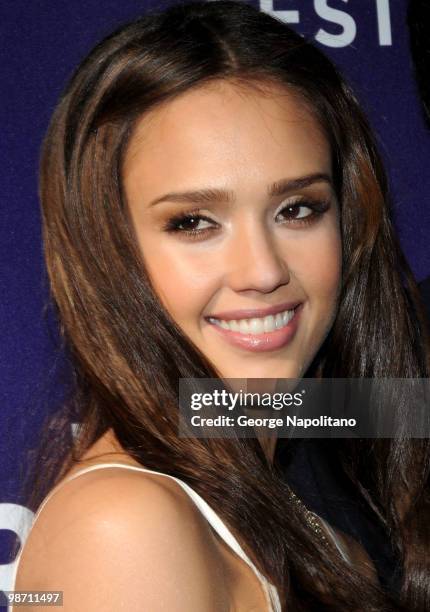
(230, 192)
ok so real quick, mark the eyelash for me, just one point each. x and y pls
(317, 207)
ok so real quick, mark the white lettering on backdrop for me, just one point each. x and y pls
(338, 16)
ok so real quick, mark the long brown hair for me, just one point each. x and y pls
(129, 354)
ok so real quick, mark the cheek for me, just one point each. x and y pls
(318, 268)
(181, 280)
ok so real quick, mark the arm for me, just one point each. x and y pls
(112, 541)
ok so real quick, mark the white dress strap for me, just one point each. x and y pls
(211, 516)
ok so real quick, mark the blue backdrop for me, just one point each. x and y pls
(43, 41)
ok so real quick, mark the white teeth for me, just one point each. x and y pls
(257, 325)
(233, 325)
(286, 317)
(243, 326)
(279, 321)
(269, 323)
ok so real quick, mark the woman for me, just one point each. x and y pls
(207, 165)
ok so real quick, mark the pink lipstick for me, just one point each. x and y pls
(260, 341)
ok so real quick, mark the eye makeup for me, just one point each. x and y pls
(301, 212)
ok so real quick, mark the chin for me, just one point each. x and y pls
(265, 373)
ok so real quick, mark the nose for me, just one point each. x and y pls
(255, 261)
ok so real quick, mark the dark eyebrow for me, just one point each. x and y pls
(279, 188)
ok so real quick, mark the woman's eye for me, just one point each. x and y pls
(196, 225)
(303, 212)
(192, 224)
(296, 212)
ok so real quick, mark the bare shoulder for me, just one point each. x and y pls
(122, 539)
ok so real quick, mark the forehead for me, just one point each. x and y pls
(229, 130)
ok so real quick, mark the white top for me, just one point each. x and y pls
(272, 597)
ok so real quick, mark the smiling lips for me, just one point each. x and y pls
(273, 329)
